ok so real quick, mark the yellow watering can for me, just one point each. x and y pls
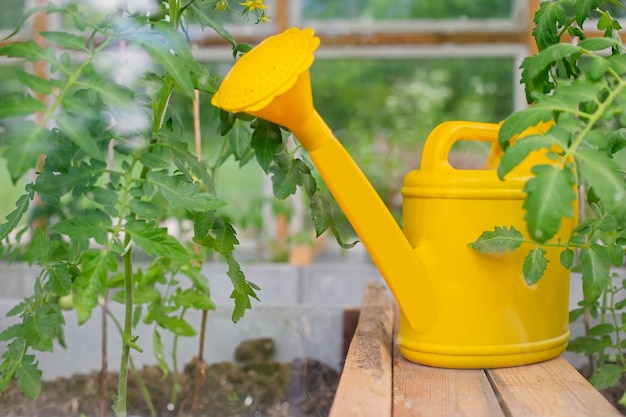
(459, 309)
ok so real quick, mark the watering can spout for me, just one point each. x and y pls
(272, 82)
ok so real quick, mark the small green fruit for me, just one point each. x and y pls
(66, 302)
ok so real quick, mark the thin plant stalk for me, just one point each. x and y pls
(200, 371)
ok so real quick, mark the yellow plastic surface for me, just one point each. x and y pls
(459, 308)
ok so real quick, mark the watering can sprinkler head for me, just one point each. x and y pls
(272, 81)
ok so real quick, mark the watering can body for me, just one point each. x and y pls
(459, 309)
(484, 314)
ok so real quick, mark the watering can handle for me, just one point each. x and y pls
(439, 143)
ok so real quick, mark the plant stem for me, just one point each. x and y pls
(127, 335)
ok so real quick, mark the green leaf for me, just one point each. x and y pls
(91, 224)
(618, 63)
(60, 278)
(616, 254)
(80, 136)
(550, 197)
(547, 57)
(548, 18)
(37, 84)
(595, 271)
(286, 176)
(598, 43)
(157, 345)
(193, 299)
(500, 240)
(26, 141)
(29, 377)
(567, 258)
(64, 39)
(601, 330)
(181, 194)
(16, 105)
(606, 376)
(28, 50)
(154, 240)
(522, 120)
(604, 175)
(266, 142)
(598, 67)
(41, 247)
(205, 20)
(243, 289)
(14, 217)
(90, 283)
(221, 237)
(167, 47)
(517, 152)
(146, 209)
(583, 8)
(535, 264)
(177, 325)
(588, 345)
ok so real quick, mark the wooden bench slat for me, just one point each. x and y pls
(422, 391)
(365, 385)
(551, 389)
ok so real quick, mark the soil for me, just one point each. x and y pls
(254, 386)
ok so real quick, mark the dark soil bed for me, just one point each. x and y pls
(254, 388)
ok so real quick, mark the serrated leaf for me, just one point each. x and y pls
(239, 139)
(587, 345)
(181, 194)
(517, 152)
(521, 120)
(60, 279)
(205, 20)
(221, 237)
(37, 84)
(548, 18)
(500, 240)
(26, 142)
(266, 142)
(80, 136)
(583, 8)
(546, 58)
(28, 50)
(550, 197)
(146, 209)
(535, 264)
(618, 63)
(595, 271)
(91, 224)
(14, 217)
(167, 48)
(193, 299)
(286, 176)
(16, 105)
(603, 175)
(606, 376)
(29, 377)
(154, 240)
(64, 39)
(89, 284)
(41, 247)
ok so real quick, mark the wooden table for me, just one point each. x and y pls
(378, 382)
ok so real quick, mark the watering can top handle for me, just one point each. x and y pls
(439, 143)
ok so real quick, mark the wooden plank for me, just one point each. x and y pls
(551, 389)
(365, 386)
(422, 391)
